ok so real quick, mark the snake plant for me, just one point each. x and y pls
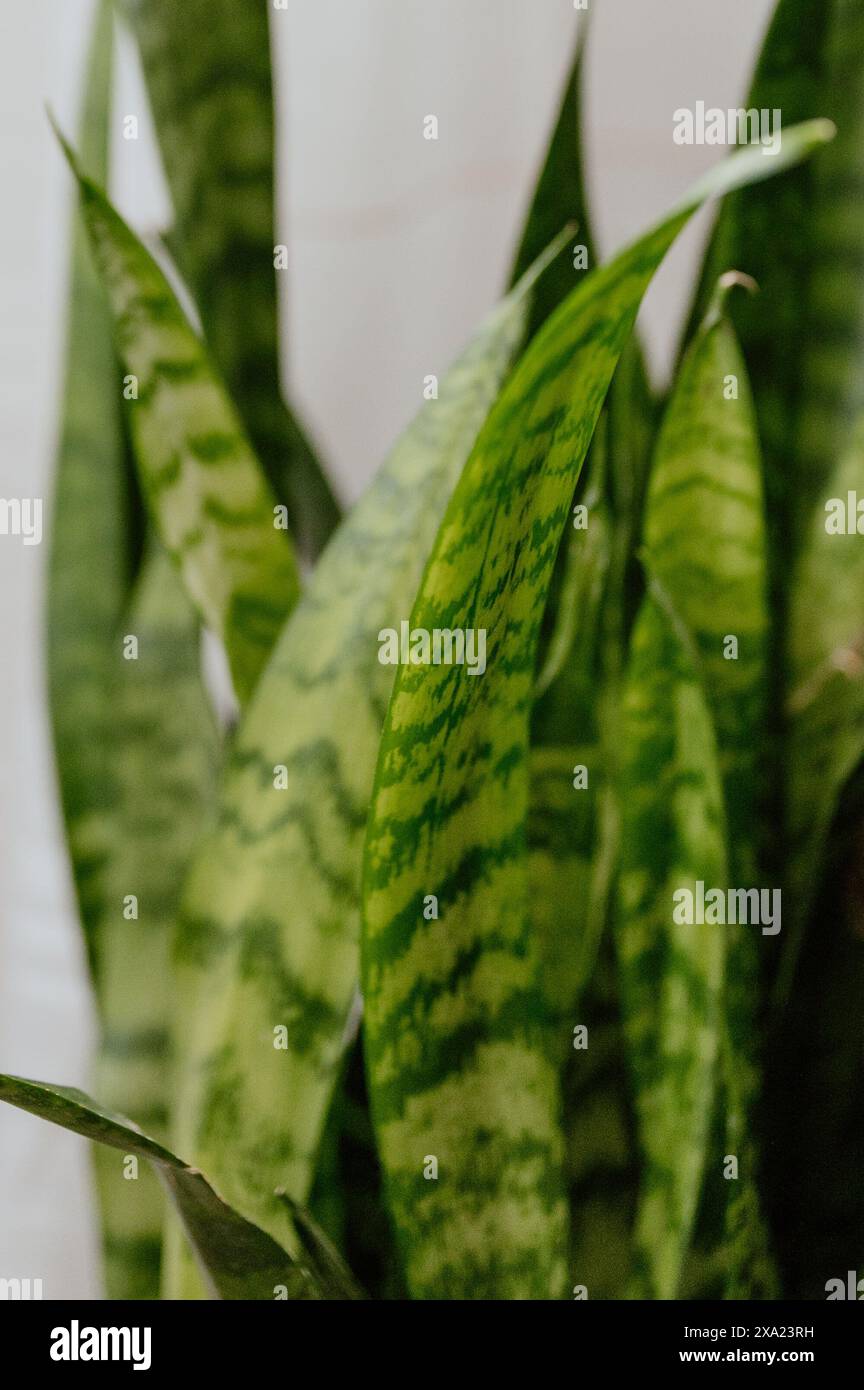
(506, 941)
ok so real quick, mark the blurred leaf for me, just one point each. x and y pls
(671, 974)
(91, 560)
(207, 69)
(331, 1274)
(803, 339)
(206, 493)
(164, 751)
(238, 1260)
(559, 201)
(269, 935)
(825, 711)
(453, 1019)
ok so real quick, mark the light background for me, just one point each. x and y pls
(398, 248)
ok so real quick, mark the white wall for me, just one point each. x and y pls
(399, 246)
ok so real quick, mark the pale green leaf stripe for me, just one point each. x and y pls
(90, 560)
(164, 751)
(453, 1011)
(208, 75)
(671, 974)
(269, 933)
(825, 711)
(238, 1260)
(207, 495)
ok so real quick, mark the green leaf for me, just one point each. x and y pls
(208, 498)
(705, 543)
(238, 1260)
(825, 711)
(799, 238)
(572, 833)
(671, 973)
(207, 69)
(330, 1272)
(91, 561)
(559, 200)
(270, 926)
(164, 754)
(453, 1011)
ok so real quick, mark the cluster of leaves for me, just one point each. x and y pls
(487, 863)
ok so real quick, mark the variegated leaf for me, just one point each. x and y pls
(211, 503)
(208, 73)
(672, 971)
(454, 1012)
(269, 935)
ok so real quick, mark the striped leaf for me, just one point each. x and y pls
(457, 1062)
(238, 1260)
(164, 752)
(705, 543)
(572, 830)
(207, 69)
(208, 498)
(269, 936)
(671, 973)
(91, 554)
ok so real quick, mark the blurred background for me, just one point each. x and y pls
(398, 247)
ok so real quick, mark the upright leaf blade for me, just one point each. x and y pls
(453, 1018)
(164, 753)
(209, 500)
(826, 678)
(208, 74)
(91, 564)
(270, 926)
(798, 238)
(706, 544)
(239, 1260)
(671, 974)
(559, 199)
